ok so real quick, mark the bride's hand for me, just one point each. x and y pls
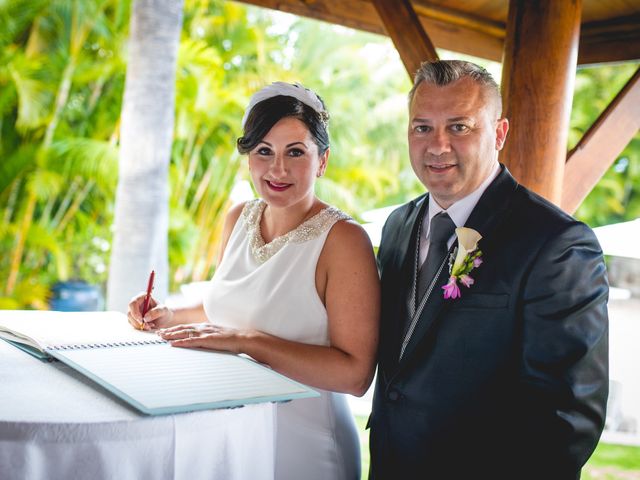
(158, 316)
(203, 335)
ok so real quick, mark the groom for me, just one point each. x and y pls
(506, 378)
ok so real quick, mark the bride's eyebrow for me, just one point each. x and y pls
(296, 143)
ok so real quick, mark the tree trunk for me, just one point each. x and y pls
(140, 241)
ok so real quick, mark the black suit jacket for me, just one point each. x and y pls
(511, 379)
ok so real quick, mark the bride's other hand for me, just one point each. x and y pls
(203, 335)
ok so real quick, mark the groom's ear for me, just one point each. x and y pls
(502, 127)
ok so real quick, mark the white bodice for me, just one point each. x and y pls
(272, 287)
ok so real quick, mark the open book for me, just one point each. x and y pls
(39, 331)
(141, 368)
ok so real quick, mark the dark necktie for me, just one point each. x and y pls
(440, 230)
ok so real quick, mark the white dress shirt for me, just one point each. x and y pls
(459, 212)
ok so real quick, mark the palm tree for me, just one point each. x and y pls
(49, 179)
(142, 210)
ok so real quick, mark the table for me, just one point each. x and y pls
(57, 424)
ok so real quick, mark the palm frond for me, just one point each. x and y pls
(194, 53)
(16, 165)
(34, 96)
(45, 183)
(29, 293)
(90, 158)
(15, 18)
(337, 194)
(8, 98)
(41, 239)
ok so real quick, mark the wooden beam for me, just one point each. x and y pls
(601, 144)
(427, 10)
(465, 36)
(612, 40)
(457, 38)
(358, 14)
(538, 75)
(406, 32)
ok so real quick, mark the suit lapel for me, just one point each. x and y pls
(406, 241)
(402, 281)
(429, 313)
(492, 205)
(484, 218)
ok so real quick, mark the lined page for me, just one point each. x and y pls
(163, 379)
(48, 328)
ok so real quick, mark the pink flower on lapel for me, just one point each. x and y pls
(477, 262)
(451, 289)
(466, 280)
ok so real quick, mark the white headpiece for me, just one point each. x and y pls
(296, 91)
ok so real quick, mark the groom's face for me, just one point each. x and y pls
(454, 138)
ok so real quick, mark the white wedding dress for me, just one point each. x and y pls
(272, 288)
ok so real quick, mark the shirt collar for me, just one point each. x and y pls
(460, 210)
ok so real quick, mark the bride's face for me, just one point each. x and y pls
(286, 163)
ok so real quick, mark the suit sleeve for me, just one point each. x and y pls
(389, 228)
(563, 383)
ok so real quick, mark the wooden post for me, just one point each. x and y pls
(538, 75)
(407, 33)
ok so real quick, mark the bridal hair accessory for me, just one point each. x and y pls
(467, 257)
(294, 90)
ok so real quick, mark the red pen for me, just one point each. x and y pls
(147, 297)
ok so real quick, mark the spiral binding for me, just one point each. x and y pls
(84, 346)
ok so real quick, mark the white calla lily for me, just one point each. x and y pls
(468, 240)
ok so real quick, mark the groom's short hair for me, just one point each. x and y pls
(444, 72)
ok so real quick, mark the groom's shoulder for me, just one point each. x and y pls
(536, 213)
(523, 204)
(530, 200)
(400, 213)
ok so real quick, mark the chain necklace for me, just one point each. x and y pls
(416, 310)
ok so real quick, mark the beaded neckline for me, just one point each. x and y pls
(307, 230)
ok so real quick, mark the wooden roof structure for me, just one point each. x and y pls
(540, 45)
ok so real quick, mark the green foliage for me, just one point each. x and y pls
(616, 197)
(621, 456)
(58, 89)
(15, 165)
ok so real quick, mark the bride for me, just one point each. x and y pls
(296, 287)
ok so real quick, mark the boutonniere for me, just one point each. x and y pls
(467, 257)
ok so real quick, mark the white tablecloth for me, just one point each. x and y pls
(56, 424)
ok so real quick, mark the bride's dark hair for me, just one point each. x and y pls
(264, 115)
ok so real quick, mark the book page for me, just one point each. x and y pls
(161, 379)
(43, 329)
